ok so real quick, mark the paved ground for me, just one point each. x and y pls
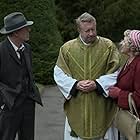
(50, 118)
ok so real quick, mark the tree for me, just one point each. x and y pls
(119, 16)
(113, 16)
(45, 38)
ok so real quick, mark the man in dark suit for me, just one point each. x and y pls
(18, 92)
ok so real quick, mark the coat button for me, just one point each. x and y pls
(33, 95)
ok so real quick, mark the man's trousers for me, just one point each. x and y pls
(19, 120)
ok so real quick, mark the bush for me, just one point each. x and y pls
(45, 39)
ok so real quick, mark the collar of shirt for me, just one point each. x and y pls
(85, 42)
(16, 48)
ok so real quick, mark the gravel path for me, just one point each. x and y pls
(50, 118)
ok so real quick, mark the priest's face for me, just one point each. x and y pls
(87, 31)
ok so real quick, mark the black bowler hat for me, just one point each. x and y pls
(14, 22)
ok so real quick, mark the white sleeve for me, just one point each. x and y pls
(106, 81)
(63, 81)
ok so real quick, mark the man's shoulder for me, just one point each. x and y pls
(108, 42)
(105, 39)
(70, 42)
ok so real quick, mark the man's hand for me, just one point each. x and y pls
(86, 85)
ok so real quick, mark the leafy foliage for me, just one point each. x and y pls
(45, 38)
(113, 16)
(119, 16)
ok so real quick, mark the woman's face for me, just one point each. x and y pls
(125, 49)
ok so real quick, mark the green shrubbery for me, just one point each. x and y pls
(45, 39)
(113, 18)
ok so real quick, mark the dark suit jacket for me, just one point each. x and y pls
(10, 74)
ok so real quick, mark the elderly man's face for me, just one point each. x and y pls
(88, 31)
(23, 34)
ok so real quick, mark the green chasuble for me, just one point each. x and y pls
(89, 115)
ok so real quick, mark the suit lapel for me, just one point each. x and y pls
(27, 60)
(15, 57)
(12, 51)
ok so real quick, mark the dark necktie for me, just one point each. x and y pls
(20, 51)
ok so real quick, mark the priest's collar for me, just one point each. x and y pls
(86, 44)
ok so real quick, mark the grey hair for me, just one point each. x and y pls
(127, 35)
(85, 17)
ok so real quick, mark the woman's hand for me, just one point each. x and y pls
(114, 92)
